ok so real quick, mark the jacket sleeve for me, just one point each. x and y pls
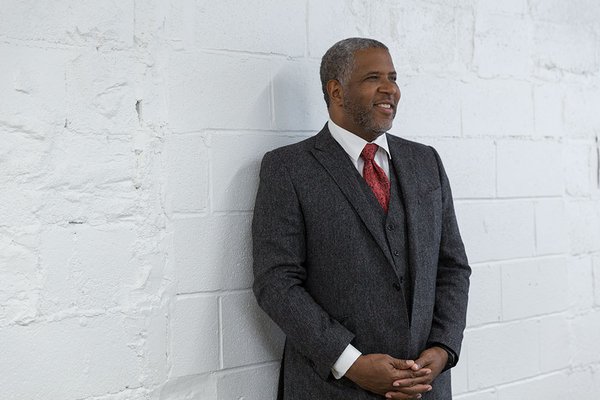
(280, 269)
(452, 281)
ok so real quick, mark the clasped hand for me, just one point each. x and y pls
(398, 379)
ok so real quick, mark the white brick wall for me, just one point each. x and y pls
(131, 137)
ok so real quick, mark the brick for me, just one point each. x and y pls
(235, 167)
(583, 217)
(23, 158)
(489, 231)
(517, 7)
(485, 295)
(584, 383)
(550, 387)
(101, 95)
(227, 91)
(460, 374)
(130, 394)
(473, 176)
(582, 119)
(579, 168)
(527, 168)
(17, 204)
(86, 268)
(596, 262)
(481, 395)
(249, 335)
(503, 45)
(213, 253)
(555, 343)
(187, 160)
(428, 35)
(33, 101)
(190, 388)
(194, 339)
(465, 23)
(428, 107)
(497, 108)
(565, 48)
(576, 12)
(257, 383)
(83, 163)
(585, 330)
(18, 271)
(154, 347)
(180, 24)
(73, 22)
(298, 102)
(90, 178)
(533, 287)
(261, 33)
(550, 227)
(327, 14)
(548, 110)
(69, 359)
(580, 284)
(514, 354)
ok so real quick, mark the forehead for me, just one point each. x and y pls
(371, 60)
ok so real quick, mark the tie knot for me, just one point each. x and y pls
(369, 151)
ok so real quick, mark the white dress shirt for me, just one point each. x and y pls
(353, 145)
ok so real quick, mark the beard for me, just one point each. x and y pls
(363, 116)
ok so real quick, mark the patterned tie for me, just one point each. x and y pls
(375, 177)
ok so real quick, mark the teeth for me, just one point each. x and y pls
(384, 105)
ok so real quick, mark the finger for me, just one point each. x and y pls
(403, 374)
(402, 364)
(423, 362)
(402, 383)
(409, 393)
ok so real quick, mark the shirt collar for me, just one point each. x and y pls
(354, 144)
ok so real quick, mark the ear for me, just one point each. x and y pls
(335, 92)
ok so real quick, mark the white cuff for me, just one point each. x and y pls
(345, 361)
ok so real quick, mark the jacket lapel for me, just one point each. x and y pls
(339, 166)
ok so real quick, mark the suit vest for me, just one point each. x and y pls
(393, 225)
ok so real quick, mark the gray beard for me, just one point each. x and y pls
(362, 116)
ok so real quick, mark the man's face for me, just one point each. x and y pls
(371, 94)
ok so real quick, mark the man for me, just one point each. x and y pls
(357, 253)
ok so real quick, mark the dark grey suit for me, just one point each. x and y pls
(326, 274)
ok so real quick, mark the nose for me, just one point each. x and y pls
(389, 87)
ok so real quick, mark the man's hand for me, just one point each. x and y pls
(377, 372)
(433, 359)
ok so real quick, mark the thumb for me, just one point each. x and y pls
(402, 364)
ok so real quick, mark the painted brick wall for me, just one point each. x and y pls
(131, 138)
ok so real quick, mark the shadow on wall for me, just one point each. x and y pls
(249, 335)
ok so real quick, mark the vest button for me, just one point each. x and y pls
(397, 286)
(396, 253)
(390, 227)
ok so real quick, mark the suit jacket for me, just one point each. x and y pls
(323, 269)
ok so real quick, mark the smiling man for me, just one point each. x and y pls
(357, 253)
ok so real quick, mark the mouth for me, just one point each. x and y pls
(386, 107)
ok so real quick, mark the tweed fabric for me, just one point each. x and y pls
(325, 272)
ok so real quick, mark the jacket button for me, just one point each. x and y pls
(397, 286)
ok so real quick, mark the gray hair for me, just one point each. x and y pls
(338, 61)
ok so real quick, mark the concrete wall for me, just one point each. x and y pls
(131, 136)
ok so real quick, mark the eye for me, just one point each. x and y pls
(393, 78)
(372, 77)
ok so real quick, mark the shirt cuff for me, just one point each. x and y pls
(345, 361)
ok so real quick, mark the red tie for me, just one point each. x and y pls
(375, 177)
